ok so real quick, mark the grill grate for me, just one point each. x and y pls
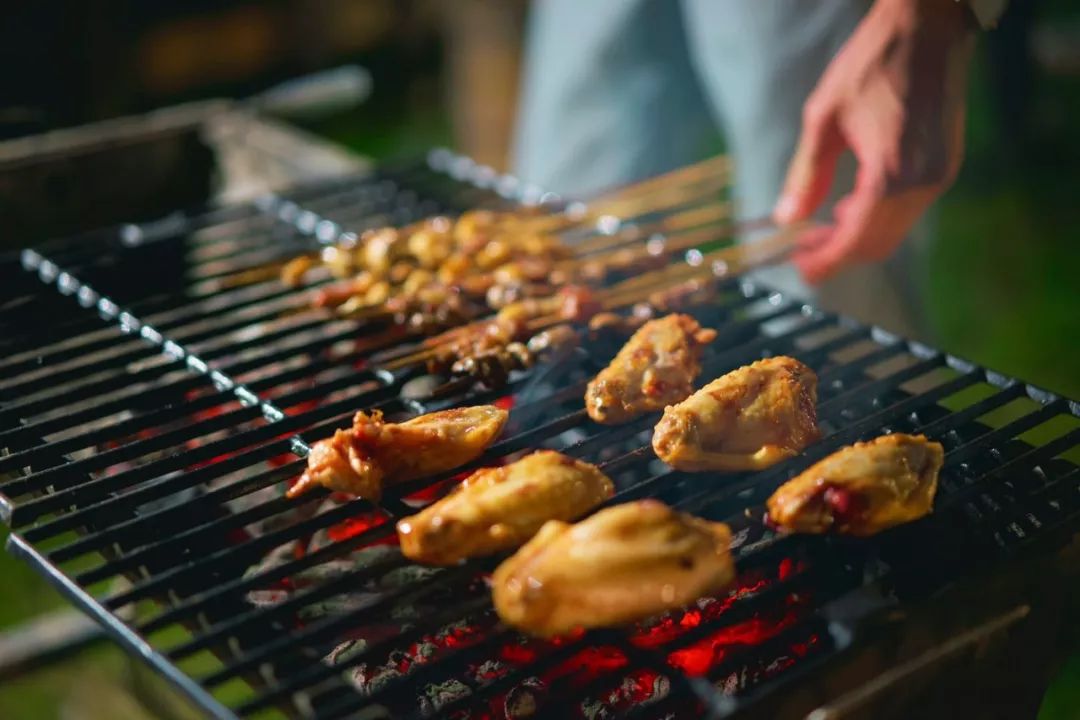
(150, 431)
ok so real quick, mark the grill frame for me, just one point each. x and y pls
(253, 405)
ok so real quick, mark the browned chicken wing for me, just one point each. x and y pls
(373, 452)
(656, 367)
(622, 564)
(862, 489)
(500, 508)
(748, 419)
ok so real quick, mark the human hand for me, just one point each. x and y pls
(894, 96)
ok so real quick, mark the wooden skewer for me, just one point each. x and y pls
(596, 243)
(678, 187)
(681, 220)
(659, 199)
(621, 200)
(719, 164)
(585, 222)
(675, 242)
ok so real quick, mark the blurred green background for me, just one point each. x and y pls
(1001, 282)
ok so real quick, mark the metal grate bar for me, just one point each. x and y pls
(133, 398)
(197, 603)
(140, 591)
(229, 446)
(115, 626)
(705, 630)
(127, 532)
(209, 319)
(45, 455)
(426, 628)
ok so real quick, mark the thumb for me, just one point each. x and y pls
(810, 174)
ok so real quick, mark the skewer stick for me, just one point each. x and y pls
(658, 199)
(669, 196)
(675, 222)
(720, 164)
(661, 197)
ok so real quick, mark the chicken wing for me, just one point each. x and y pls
(622, 564)
(500, 508)
(748, 419)
(862, 489)
(373, 452)
(656, 367)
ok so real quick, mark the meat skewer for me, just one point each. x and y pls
(862, 489)
(500, 508)
(523, 320)
(511, 265)
(478, 239)
(623, 564)
(671, 289)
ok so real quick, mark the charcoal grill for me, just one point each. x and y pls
(153, 404)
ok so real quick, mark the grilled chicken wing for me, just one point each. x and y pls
(622, 564)
(656, 367)
(372, 452)
(748, 419)
(862, 489)
(500, 508)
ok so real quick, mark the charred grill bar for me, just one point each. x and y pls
(157, 394)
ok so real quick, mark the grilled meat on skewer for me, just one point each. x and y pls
(748, 419)
(491, 363)
(862, 489)
(511, 324)
(492, 368)
(625, 563)
(500, 508)
(373, 452)
(477, 241)
(656, 367)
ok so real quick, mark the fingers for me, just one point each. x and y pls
(810, 174)
(825, 250)
(869, 225)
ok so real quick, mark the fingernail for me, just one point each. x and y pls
(786, 208)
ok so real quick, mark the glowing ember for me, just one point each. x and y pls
(699, 657)
(435, 491)
(356, 525)
(671, 626)
(588, 663)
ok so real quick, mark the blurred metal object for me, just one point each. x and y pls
(45, 639)
(144, 167)
(316, 95)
